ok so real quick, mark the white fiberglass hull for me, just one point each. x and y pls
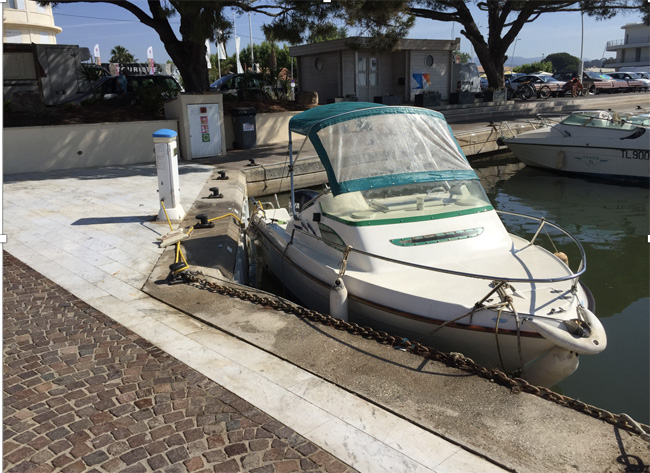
(415, 303)
(405, 240)
(588, 151)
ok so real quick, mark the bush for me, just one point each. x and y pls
(152, 97)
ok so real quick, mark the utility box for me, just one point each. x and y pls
(166, 151)
(205, 130)
(243, 122)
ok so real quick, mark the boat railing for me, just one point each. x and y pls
(348, 250)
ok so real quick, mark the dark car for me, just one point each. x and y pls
(248, 86)
(107, 87)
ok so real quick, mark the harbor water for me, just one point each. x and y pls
(611, 220)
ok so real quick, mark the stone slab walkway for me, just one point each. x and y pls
(84, 394)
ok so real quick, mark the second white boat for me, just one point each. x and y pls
(594, 143)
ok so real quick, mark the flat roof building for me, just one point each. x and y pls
(345, 68)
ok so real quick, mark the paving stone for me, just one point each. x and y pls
(82, 394)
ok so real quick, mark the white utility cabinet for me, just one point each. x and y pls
(205, 130)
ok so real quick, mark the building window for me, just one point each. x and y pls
(13, 36)
(428, 60)
(44, 38)
(318, 64)
(16, 4)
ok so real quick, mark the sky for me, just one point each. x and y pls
(110, 25)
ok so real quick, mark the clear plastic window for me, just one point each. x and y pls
(417, 201)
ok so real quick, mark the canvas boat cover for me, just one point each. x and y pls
(367, 145)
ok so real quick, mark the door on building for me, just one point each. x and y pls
(367, 77)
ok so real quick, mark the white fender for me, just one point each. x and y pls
(558, 334)
(551, 368)
(339, 300)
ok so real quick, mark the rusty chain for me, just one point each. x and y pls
(455, 360)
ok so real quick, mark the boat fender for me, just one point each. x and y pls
(562, 256)
(552, 367)
(559, 162)
(593, 343)
(339, 300)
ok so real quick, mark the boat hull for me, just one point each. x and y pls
(493, 345)
(604, 162)
(591, 143)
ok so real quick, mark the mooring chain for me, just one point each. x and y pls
(453, 359)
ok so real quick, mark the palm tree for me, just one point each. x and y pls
(121, 55)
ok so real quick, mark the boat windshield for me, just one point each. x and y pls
(388, 146)
(599, 120)
(407, 203)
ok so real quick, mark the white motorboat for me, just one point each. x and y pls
(405, 240)
(596, 143)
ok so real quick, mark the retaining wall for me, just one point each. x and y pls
(49, 148)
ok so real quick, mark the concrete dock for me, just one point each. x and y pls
(109, 368)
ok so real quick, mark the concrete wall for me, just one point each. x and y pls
(348, 76)
(438, 72)
(40, 148)
(270, 128)
(327, 80)
(29, 149)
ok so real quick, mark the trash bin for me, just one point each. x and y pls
(243, 121)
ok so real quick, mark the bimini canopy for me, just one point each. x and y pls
(366, 145)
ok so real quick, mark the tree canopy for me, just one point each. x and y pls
(563, 62)
(264, 56)
(121, 55)
(384, 22)
(539, 66)
(200, 20)
(505, 20)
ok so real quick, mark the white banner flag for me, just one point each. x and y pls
(98, 60)
(207, 53)
(240, 70)
(152, 69)
(221, 51)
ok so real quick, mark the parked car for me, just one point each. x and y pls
(107, 87)
(545, 85)
(593, 82)
(513, 75)
(635, 82)
(248, 86)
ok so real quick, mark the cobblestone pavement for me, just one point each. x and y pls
(84, 394)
